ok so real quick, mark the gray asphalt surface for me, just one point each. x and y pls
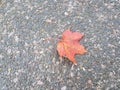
(28, 61)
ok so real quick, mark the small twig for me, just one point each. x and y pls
(50, 38)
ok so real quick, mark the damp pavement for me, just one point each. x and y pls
(30, 29)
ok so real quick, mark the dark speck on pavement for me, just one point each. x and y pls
(29, 60)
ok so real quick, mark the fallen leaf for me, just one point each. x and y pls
(68, 46)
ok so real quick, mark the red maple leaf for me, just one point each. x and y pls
(69, 45)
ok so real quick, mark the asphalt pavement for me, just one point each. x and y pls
(30, 30)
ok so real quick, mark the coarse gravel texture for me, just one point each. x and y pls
(28, 56)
